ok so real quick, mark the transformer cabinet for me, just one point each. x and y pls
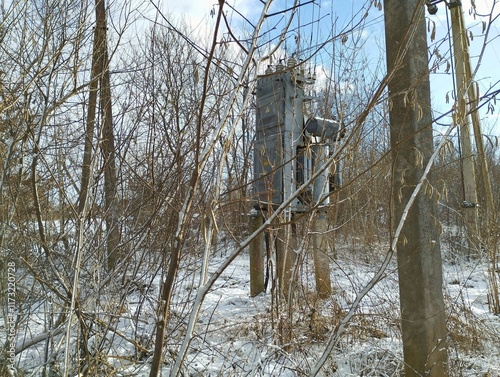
(288, 150)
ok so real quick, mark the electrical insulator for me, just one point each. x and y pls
(432, 8)
(292, 62)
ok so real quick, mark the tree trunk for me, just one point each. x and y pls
(90, 122)
(108, 145)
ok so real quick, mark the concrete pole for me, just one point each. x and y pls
(462, 120)
(256, 255)
(418, 250)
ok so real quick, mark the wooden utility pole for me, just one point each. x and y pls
(418, 250)
(462, 120)
(286, 246)
(257, 283)
(320, 255)
(468, 100)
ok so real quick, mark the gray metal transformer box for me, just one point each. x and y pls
(268, 145)
(279, 130)
(287, 149)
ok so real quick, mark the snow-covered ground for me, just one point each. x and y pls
(238, 335)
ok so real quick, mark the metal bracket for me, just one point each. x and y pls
(454, 3)
(432, 5)
(466, 204)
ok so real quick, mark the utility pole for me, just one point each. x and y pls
(468, 99)
(257, 283)
(461, 119)
(423, 317)
(467, 104)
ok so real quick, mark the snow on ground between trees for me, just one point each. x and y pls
(237, 335)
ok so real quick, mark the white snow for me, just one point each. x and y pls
(237, 335)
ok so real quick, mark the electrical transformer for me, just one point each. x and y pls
(288, 148)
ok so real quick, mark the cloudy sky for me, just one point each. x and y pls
(338, 16)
